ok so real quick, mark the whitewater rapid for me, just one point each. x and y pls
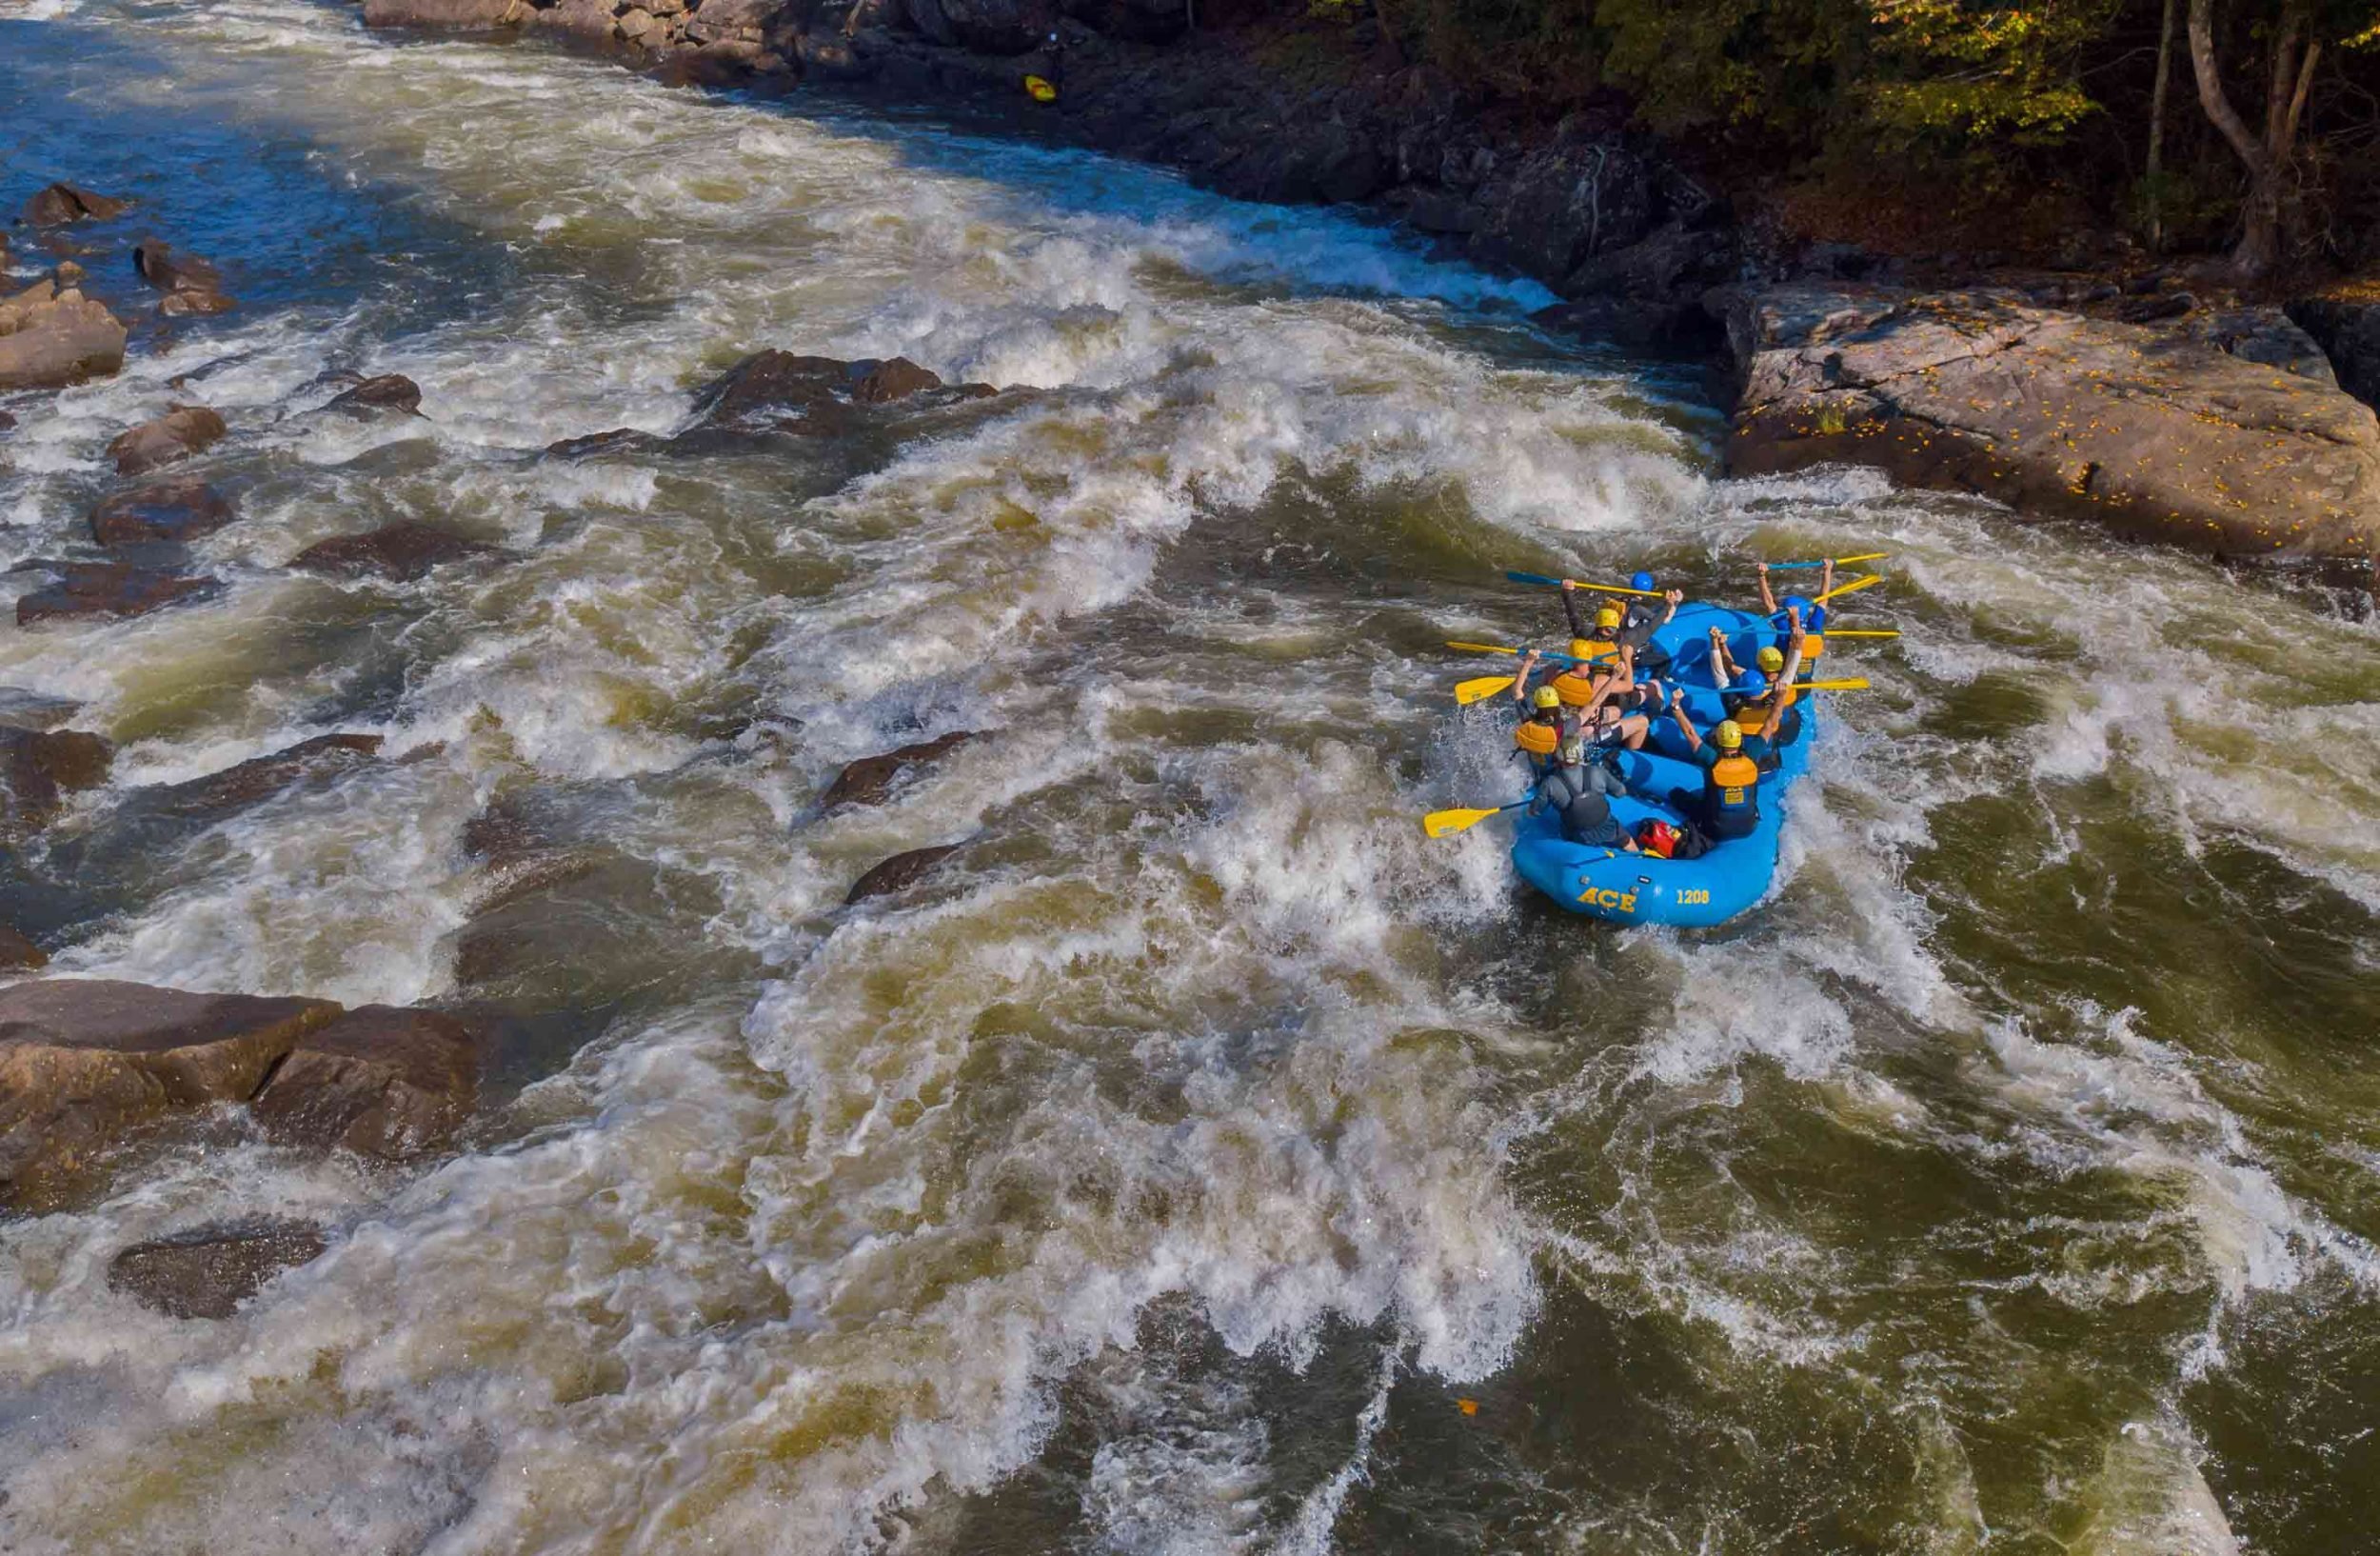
(1159, 1176)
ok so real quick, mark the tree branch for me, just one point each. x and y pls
(2210, 94)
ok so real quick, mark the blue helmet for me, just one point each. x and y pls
(1809, 606)
(1642, 580)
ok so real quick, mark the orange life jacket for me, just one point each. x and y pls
(1536, 738)
(1732, 795)
(1574, 687)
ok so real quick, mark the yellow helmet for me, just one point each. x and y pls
(1582, 647)
(1727, 737)
(1771, 660)
(1546, 697)
(1608, 616)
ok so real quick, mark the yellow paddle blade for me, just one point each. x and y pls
(1484, 649)
(1830, 686)
(1858, 632)
(1447, 823)
(1485, 687)
(1846, 589)
(1617, 589)
(1872, 556)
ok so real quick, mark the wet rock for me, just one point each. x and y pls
(1436, 210)
(1673, 261)
(192, 286)
(2346, 326)
(871, 778)
(730, 62)
(462, 15)
(404, 550)
(104, 589)
(2143, 430)
(375, 396)
(63, 203)
(380, 1081)
(259, 778)
(7, 420)
(39, 768)
(172, 511)
(589, 20)
(881, 383)
(84, 1062)
(899, 871)
(619, 440)
(50, 338)
(22, 710)
(179, 434)
(208, 1272)
(18, 955)
(1563, 203)
(740, 21)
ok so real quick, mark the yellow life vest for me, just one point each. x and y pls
(1812, 645)
(1040, 90)
(1536, 738)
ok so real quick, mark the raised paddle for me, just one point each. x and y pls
(1840, 561)
(1540, 579)
(1546, 654)
(1467, 692)
(1859, 632)
(1846, 589)
(1447, 823)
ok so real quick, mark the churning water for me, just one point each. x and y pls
(1166, 1172)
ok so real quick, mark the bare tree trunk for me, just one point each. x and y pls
(2267, 157)
(2156, 130)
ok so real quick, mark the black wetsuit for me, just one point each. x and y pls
(1575, 794)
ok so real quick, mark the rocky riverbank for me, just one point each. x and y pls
(2124, 367)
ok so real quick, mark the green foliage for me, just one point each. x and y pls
(1965, 70)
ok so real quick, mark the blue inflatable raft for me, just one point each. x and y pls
(1643, 887)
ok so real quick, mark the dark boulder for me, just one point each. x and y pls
(38, 769)
(50, 338)
(2264, 336)
(818, 395)
(2346, 326)
(104, 589)
(987, 27)
(619, 440)
(84, 1062)
(881, 383)
(170, 511)
(902, 870)
(739, 21)
(208, 1272)
(380, 1081)
(22, 710)
(404, 550)
(62, 202)
(1674, 262)
(1564, 203)
(375, 396)
(179, 434)
(871, 778)
(190, 283)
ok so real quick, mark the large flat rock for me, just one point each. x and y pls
(208, 1272)
(2149, 431)
(84, 1061)
(50, 338)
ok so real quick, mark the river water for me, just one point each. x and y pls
(1201, 1160)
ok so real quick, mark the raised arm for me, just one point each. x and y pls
(1570, 608)
(1793, 668)
(1724, 666)
(1676, 598)
(1685, 725)
(1520, 683)
(1768, 601)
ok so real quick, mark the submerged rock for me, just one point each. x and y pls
(38, 769)
(375, 396)
(171, 510)
(467, 15)
(190, 285)
(50, 338)
(63, 203)
(899, 871)
(380, 1081)
(105, 588)
(208, 1272)
(619, 440)
(259, 778)
(869, 779)
(2140, 429)
(786, 392)
(179, 434)
(82, 1062)
(403, 551)
(22, 710)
